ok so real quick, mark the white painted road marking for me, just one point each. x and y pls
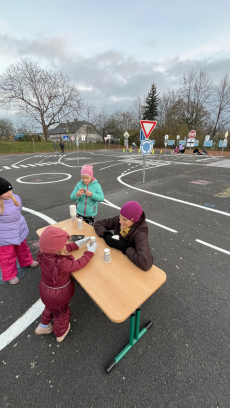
(43, 182)
(21, 324)
(213, 246)
(169, 198)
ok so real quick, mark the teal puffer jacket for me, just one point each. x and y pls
(87, 206)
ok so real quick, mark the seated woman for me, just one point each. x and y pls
(131, 231)
(196, 151)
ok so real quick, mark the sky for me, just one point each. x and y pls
(115, 50)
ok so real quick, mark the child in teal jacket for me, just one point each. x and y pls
(86, 194)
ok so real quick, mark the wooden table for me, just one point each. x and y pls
(119, 288)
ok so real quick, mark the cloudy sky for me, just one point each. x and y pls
(114, 50)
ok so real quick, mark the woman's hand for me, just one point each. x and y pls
(121, 245)
(89, 193)
(80, 192)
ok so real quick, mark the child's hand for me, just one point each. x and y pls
(89, 193)
(92, 248)
(82, 242)
(80, 192)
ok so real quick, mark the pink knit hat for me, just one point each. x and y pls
(87, 170)
(53, 240)
(131, 210)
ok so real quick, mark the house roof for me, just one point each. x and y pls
(71, 126)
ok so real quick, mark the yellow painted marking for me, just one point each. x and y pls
(224, 193)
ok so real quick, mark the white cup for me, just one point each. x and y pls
(72, 210)
(92, 240)
(107, 256)
(73, 218)
(80, 223)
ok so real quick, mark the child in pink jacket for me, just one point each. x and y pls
(13, 233)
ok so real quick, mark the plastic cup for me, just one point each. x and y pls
(73, 218)
(80, 223)
(72, 210)
(107, 256)
(92, 240)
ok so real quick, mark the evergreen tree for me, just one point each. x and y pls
(150, 111)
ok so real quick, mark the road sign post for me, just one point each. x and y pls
(166, 138)
(126, 143)
(109, 138)
(223, 144)
(146, 147)
(77, 144)
(191, 135)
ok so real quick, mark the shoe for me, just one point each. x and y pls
(43, 330)
(14, 281)
(60, 339)
(34, 264)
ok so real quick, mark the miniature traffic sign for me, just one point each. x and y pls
(142, 135)
(146, 146)
(65, 137)
(226, 135)
(126, 135)
(166, 137)
(72, 138)
(207, 137)
(223, 143)
(148, 126)
(208, 143)
(83, 138)
(192, 134)
(178, 137)
(108, 137)
(190, 142)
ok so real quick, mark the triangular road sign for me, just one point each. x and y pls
(148, 126)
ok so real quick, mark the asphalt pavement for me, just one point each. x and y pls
(183, 360)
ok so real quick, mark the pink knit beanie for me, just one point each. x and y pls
(131, 210)
(87, 170)
(53, 240)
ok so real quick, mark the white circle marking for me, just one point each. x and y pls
(19, 180)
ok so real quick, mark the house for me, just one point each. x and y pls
(77, 128)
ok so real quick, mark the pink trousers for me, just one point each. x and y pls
(8, 256)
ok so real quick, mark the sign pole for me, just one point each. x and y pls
(222, 151)
(109, 146)
(77, 150)
(143, 169)
(34, 145)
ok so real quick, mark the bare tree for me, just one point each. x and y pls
(137, 108)
(6, 128)
(196, 90)
(39, 95)
(221, 105)
(105, 122)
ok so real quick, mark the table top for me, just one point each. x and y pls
(118, 287)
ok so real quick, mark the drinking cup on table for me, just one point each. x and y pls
(72, 209)
(80, 223)
(92, 240)
(107, 255)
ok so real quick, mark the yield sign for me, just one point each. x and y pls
(148, 126)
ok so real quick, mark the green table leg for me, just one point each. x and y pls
(134, 335)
